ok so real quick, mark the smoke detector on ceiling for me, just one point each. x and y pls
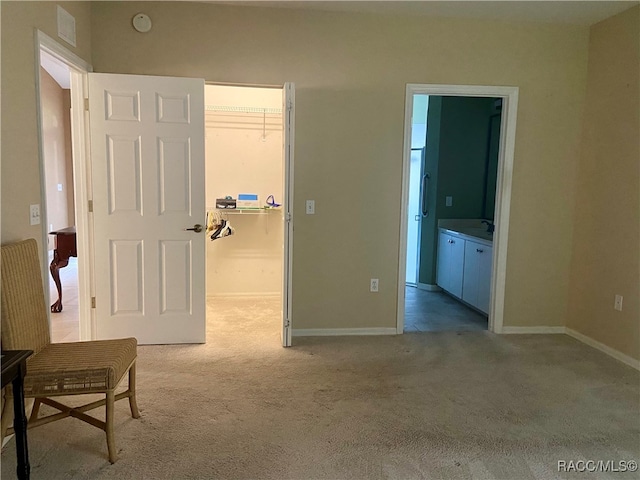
(141, 22)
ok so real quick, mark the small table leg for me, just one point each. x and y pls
(56, 264)
(20, 427)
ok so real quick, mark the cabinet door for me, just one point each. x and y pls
(485, 264)
(442, 278)
(476, 288)
(471, 269)
(456, 270)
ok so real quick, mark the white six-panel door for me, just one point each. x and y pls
(147, 152)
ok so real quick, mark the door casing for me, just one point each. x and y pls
(79, 70)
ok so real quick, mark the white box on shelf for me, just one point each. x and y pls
(248, 200)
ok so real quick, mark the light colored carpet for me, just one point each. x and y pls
(445, 405)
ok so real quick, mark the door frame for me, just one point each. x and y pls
(509, 97)
(289, 124)
(78, 71)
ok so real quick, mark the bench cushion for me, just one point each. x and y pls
(74, 367)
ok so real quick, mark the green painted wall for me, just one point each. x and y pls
(456, 155)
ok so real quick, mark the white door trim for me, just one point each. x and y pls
(289, 120)
(78, 71)
(509, 97)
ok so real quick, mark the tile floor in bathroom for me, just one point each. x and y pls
(437, 311)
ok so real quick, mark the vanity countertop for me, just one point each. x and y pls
(470, 229)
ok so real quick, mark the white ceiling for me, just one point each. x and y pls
(577, 12)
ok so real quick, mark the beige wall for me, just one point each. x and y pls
(350, 72)
(56, 140)
(607, 209)
(20, 162)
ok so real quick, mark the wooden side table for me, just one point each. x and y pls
(65, 247)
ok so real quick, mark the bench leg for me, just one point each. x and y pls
(35, 410)
(111, 443)
(135, 413)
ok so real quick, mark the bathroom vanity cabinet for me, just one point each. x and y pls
(476, 284)
(464, 268)
(450, 263)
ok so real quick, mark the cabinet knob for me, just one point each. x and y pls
(479, 250)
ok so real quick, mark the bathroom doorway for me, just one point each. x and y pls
(456, 147)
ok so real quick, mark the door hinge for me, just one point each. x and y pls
(93, 302)
(90, 206)
(86, 104)
(287, 217)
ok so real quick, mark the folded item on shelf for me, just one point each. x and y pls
(226, 202)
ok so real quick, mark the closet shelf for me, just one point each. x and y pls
(222, 108)
(246, 211)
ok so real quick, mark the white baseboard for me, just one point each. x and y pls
(336, 332)
(626, 359)
(244, 294)
(533, 330)
(428, 287)
(612, 352)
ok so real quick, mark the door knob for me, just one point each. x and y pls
(196, 228)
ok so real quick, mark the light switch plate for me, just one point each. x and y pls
(34, 214)
(449, 201)
(617, 303)
(311, 207)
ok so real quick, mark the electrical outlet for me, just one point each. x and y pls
(34, 214)
(617, 303)
(311, 207)
(59, 187)
(374, 285)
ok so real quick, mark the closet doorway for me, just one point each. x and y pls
(248, 184)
